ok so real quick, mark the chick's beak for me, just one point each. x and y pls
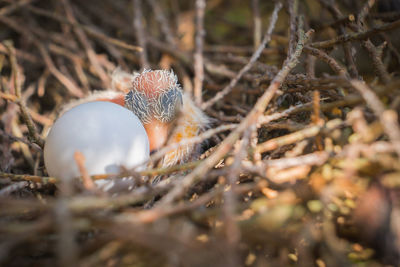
(157, 133)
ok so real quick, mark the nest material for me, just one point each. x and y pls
(300, 164)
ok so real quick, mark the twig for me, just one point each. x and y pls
(297, 136)
(376, 55)
(80, 161)
(9, 97)
(253, 59)
(255, 5)
(321, 55)
(316, 117)
(364, 12)
(162, 20)
(6, 191)
(293, 6)
(147, 172)
(140, 35)
(310, 66)
(388, 117)
(22, 55)
(33, 135)
(356, 36)
(316, 107)
(278, 115)
(66, 244)
(25, 177)
(11, 8)
(232, 230)
(317, 158)
(19, 139)
(198, 55)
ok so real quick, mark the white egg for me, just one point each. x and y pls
(108, 135)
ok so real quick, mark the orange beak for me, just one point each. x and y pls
(157, 133)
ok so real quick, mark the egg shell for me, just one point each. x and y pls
(108, 135)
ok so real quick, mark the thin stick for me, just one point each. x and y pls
(388, 118)
(6, 191)
(67, 250)
(376, 56)
(365, 11)
(147, 172)
(232, 230)
(321, 55)
(33, 135)
(80, 161)
(356, 36)
(25, 177)
(162, 20)
(316, 117)
(11, 8)
(140, 35)
(297, 136)
(198, 55)
(255, 5)
(293, 6)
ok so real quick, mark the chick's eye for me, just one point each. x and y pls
(139, 105)
(168, 105)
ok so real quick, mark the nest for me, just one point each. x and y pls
(300, 164)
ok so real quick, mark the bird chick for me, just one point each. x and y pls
(156, 98)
